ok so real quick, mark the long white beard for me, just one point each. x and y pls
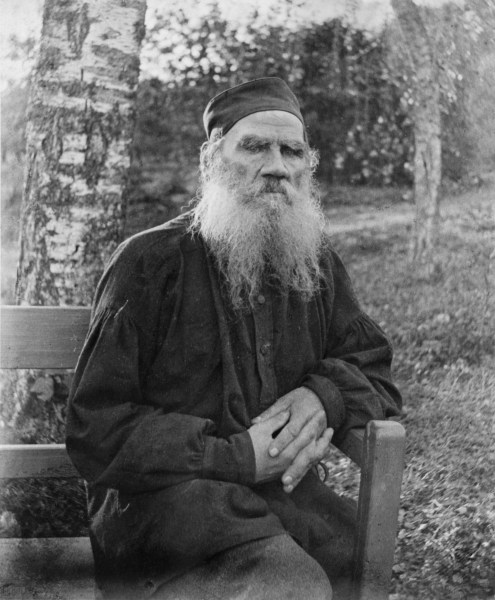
(270, 233)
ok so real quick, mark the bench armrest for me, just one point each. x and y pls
(353, 443)
(379, 450)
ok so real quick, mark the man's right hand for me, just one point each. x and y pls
(292, 462)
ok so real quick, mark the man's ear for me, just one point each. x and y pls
(209, 148)
(216, 134)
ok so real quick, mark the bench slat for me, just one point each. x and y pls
(35, 460)
(51, 460)
(352, 446)
(42, 337)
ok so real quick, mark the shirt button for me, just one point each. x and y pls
(261, 299)
(265, 348)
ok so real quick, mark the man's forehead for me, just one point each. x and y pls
(269, 124)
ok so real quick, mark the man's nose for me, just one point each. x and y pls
(274, 165)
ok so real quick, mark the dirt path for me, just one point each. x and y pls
(344, 219)
(473, 206)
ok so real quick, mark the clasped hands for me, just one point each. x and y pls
(290, 437)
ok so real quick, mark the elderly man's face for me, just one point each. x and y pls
(268, 150)
(259, 211)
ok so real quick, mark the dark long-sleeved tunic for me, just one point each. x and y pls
(170, 378)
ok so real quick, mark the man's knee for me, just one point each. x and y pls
(275, 568)
(293, 573)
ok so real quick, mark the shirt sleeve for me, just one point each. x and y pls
(353, 380)
(116, 439)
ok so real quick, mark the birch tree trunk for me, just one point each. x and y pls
(79, 131)
(80, 124)
(427, 130)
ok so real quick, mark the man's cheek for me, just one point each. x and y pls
(302, 179)
(236, 168)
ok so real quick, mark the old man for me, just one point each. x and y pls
(226, 350)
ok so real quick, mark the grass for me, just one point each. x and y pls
(442, 331)
(446, 542)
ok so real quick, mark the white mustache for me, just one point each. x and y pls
(274, 187)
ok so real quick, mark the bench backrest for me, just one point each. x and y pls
(39, 337)
(42, 337)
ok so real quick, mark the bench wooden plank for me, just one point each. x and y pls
(35, 460)
(46, 568)
(352, 446)
(379, 500)
(51, 460)
(42, 337)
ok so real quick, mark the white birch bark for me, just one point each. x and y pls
(427, 129)
(79, 131)
(80, 124)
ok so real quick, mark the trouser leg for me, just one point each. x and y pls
(274, 568)
(143, 541)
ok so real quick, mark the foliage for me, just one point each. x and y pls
(353, 102)
(355, 89)
(40, 418)
(14, 104)
(40, 508)
(480, 108)
(13, 127)
(456, 33)
(350, 98)
(460, 36)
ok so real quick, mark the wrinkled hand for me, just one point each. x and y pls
(268, 468)
(303, 439)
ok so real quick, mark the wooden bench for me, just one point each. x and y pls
(61, 568)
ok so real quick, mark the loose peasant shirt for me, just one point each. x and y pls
(170, 376)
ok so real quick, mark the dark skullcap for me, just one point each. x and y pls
(269, 93)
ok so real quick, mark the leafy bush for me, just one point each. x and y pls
(43, 508)
(350, 96)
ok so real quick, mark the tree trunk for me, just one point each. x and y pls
(80, 124)
(427, 175)
(427, 129)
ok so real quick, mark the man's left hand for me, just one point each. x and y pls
(305, 435)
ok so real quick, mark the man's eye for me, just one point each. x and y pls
(296, 152)
(254, 149)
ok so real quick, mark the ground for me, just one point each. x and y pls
(442, 331)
